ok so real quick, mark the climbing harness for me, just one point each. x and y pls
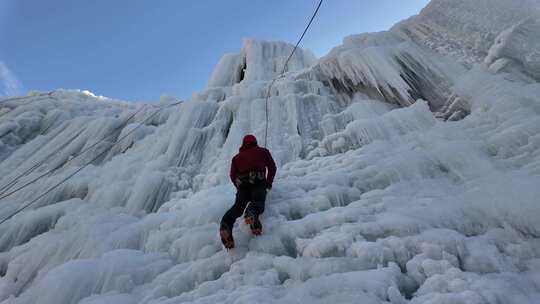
(285, 68)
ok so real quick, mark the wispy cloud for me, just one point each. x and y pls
(9, 84)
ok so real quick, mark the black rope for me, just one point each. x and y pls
(8, 186)
(285, 67)
(85, 165)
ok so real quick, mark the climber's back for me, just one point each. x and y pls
(252, 159)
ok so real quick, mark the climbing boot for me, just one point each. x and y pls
(226, 237)
(253, 222)
(256, 227)
(249, 217)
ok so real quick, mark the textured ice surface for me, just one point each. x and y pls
(386, 67)
(465, 29)
(404, 177)
(517, 48)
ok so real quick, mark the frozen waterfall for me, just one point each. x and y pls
(408, 172)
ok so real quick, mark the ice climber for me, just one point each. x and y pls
(252, 173)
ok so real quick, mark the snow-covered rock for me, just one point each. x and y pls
(465, 29)
(517, 49)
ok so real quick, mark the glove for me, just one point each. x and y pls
(237, 183)
(268, 186)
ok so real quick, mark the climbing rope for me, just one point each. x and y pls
(86, 164)
(8, 186)
(285, 68)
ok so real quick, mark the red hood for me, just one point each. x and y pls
(249, 141)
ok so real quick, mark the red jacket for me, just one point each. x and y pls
(252, 158)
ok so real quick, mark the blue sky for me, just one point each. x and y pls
(138, 50)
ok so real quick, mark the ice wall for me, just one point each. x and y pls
(388, 68)
(404, 177)
(258, 60)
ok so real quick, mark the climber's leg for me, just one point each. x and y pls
(256, 208)
(227, 222)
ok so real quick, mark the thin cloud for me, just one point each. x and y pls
(9, 84)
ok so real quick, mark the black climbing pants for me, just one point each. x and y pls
(254, 194)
